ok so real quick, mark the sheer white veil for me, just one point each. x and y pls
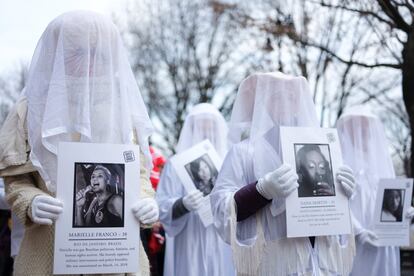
(204, 122)
(264, 103)
(364, 144)
(365, 149)
(81, 87)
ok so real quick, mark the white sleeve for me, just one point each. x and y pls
(229, 181)
(169, 190)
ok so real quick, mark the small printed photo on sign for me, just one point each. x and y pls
(392, 205)
(203, 173)
(98, 199)
(314, 168)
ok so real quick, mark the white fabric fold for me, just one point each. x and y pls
(204, 121)
(365, 150)
(80, 84)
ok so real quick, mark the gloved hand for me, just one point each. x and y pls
(46, 209)
(146, 210)
(279, 183)
(345, 176)
(410, 213)
(367, 237)
(193, 200)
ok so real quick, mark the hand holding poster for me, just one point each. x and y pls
(97, 232)
(319, 207)
(198, 168)
(393, 201)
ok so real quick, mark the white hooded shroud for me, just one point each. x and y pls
(264, 102)
(365, 149)
(80, 87)
(191, 248)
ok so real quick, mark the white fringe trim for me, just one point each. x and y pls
(289, 256)
(246, 258)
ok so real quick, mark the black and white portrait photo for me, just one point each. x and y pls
(314, 168)
(392, 205)
(203, 173)
(98, 195)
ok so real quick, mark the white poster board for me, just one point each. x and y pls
(97, 232)
(393, 201)
(197, 168)
(319, 207)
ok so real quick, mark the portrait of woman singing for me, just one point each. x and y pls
(99, 204)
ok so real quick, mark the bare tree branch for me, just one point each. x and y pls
(392, 12)
(351, 62)
(362, 13)
(189, 46)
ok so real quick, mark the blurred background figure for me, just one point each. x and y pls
(365, 149)
(192, 248)
(158, 161)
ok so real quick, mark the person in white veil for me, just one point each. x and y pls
(365, 149)
(192, 249)
(80, 88)
(249, 195)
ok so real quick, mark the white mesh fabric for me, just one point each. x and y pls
(365, 150)
(81, 87)
(204, 122)
(266, 101)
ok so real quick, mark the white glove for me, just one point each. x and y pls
(368, 237)
(279, 183)
(46, 209)
(345, 176)
(410, 213)
(193, 200)
(146, 210)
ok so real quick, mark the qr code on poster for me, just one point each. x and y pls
(330, 137)
(129, 156)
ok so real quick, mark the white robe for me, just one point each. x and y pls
(369, 260)
(373, 261)
(192, 249)
(280, 256)
(365, 149)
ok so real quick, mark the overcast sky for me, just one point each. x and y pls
(22, 22)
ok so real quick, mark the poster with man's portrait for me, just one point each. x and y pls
(97, 232)
(197, 168)
(98, 198)
(393, 199)
(319, 206)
